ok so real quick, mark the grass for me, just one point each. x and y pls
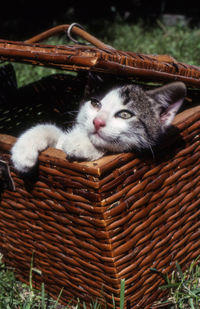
(183, 287)
(16, 295)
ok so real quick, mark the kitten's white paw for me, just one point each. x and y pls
(28, 146)
(24, 159)
(77, 146)
(83, 154)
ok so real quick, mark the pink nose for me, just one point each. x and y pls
(98, 123)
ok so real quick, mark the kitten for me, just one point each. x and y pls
(123, 119)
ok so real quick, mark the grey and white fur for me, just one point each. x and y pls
(125, 118)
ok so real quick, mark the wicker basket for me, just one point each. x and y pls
(88, 225)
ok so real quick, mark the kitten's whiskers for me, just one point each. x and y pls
(153, 155)
(71, 113)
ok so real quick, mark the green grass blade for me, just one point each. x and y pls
(122, 294)
(179, 270)
(164, 276)
(113, 301)
(78, 305)
(191, 303)
(31, 273)
(84, 305)
(169, 286)
(43, 297)
(58, 298)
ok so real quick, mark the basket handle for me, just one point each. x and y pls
(76, 29)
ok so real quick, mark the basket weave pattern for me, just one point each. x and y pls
(92, 224)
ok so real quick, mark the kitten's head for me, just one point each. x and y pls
(127, 117)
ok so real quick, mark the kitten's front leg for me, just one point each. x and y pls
(28, 146)
(77, 145)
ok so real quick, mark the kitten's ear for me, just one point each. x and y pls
(170, 98)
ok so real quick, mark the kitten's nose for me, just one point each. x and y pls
(98, 123)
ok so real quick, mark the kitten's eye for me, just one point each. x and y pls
(95, 103)
(124, 114)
